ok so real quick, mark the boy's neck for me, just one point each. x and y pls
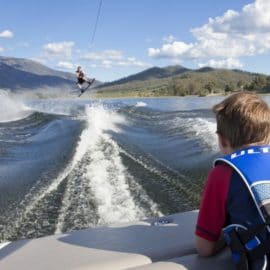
(227, 149)
(245, 146)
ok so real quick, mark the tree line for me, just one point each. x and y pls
(192, 83)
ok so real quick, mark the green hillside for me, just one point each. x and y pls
(173, 81)
(150, 74)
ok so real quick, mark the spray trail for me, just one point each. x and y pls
(12, 109)
(104, 195)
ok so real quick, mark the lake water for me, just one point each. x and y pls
(71, 164)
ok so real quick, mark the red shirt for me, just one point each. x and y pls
(212, 214)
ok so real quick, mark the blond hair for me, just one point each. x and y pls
(243, 118)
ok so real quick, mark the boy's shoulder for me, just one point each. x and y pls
(218, 183)
(220, 175)
(221, 168)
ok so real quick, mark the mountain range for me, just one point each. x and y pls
(178, 80)
(24, 74)
(18, 74)
(150, 74)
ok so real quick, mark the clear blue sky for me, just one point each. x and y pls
(134, 35)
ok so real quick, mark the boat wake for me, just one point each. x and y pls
(95, 187)
(90, 164)
(103, 180)
(12, 109)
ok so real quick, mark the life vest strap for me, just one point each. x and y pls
(239, 254)
(259, 251)
(245, 244)
(250, 233)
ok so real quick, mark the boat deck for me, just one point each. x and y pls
(144, 245)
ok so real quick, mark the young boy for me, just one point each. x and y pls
(236, 198)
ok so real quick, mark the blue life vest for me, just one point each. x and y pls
(253, 165)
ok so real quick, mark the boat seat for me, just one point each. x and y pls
(120, 246)
(222, 261)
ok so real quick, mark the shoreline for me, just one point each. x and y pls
(165, 96)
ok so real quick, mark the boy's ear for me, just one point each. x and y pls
(224, 145)
(223, 141)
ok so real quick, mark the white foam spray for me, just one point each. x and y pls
(98, 166)
(140, 104)
(103, 170)
(203, 128)
(12, 109)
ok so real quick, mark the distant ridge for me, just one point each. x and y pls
(204, 69)
(24, 74)
(181, 81)
(34, 67)
(150, 74)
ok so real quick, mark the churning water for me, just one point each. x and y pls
(67, 165)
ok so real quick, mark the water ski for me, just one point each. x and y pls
(85, 88)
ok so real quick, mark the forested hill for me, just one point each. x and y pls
(24, 74)
(150, 74)
(178, 80)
